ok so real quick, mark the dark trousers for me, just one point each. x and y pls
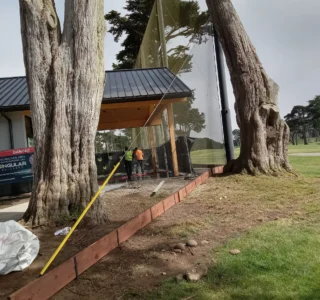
(140, 163)
(128, 167)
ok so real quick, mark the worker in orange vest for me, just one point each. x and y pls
(139, 157)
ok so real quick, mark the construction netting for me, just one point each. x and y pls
(179, 36)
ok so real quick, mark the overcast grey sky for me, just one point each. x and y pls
(285, 33)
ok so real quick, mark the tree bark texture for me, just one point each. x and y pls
(264, 135)
(65, 74)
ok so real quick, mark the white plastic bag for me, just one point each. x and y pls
(18, 247)
(63, 231)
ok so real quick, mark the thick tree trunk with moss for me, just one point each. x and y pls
(65, 74)
(264, 135)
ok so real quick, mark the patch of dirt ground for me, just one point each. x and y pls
(122, 204)
(221, 209)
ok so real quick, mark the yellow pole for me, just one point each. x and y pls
(78, 221)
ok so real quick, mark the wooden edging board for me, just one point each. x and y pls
(47, 285)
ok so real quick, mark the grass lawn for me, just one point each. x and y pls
(208, 156)
(311, 148)
(279, 259)
(308, 166)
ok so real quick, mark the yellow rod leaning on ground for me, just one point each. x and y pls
(78, 221)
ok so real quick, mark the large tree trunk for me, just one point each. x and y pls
(264, 136)
(292, 137)
(65, 74)
(305, 136)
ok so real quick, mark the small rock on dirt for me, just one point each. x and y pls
(234, 251)
(177, 250)
(180, 246)
(192, 243)
(204, 242)
(193, 277)
(179, 277)
(196, 274)
(164, 273)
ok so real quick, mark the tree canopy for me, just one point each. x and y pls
(182, 19)
(304, 121)
(133, 24)
(188, 119)
(112, 140)
(236, 137)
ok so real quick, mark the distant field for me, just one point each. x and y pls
(309, 166)
(208, 156)
(306, 165)
(311, 148)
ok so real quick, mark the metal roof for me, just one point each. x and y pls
(120, 86)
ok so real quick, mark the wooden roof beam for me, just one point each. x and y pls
(106, 106)
(128, 124)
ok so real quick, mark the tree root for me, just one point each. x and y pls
(235, 166)
(238, 166)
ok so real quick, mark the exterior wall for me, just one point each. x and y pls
(4, 134)
(18, 128)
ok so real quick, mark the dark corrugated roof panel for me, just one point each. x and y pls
(121, 86)
(139, 84)
(13, 92)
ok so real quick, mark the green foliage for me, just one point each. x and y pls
(182, 19)
(314, 108)
(133, 24)
(304, 121)
(298, 120)
(314, 115)
(110, 141)
(188, 119)
(236, 137)
(74, 213)
(206, 144)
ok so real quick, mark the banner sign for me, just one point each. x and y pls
(16, 165)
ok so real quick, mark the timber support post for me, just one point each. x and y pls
(172, 141)
(153, 149)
